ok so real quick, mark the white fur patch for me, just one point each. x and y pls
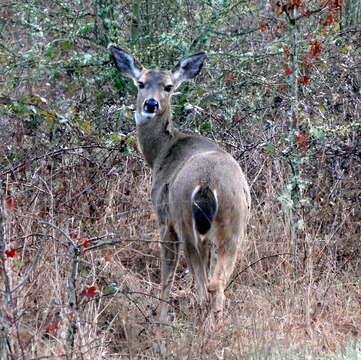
(195, 192)
(215, 196)
(141, 118)
(195, 232)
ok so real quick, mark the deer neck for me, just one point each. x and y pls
(154, 135)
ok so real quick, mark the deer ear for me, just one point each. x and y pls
(189, 67)
(126, 63)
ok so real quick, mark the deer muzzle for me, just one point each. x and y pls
(150, 106)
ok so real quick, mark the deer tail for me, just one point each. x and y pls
(204, 209)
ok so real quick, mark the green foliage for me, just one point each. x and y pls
(110, 289)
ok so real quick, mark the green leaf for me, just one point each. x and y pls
(50, 118)
(87, 28)
(32, 122)
(345, 48)
(110, 289)
(66, 45)
(115, 138)
(22, 109)
(269, 148)
(205, 125)
(86, 125)
(182, 100)
(126, 151)
(18, 264)
(317, 132)
(49, 51)
(119, 83)
(130, 140)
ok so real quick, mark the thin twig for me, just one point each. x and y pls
(29, 271)
(254, 263)
(25, 163)
(69, 239)
(72, 298)
(8, 296)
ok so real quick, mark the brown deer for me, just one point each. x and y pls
(199, 191)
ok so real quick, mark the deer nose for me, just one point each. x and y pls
(150, 106)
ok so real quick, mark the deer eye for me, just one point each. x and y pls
(168, 88)
(141, 85)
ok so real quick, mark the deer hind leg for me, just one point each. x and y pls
(225, 261)
(169, 261)
(198, 266)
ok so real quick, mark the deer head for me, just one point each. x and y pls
(155, 87)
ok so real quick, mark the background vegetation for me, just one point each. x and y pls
(79, 252)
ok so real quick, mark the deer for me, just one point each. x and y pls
(199, 191)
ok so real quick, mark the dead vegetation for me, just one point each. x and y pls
(307, 305)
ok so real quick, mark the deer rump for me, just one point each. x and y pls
(203, 200)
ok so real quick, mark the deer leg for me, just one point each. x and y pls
(169, 261)
(205, 256)
(198, 266)
(226, 259)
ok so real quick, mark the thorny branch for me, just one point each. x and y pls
(5, 339)
(72, 287)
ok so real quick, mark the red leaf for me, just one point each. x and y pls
(305, 12)
(332, 4)
(52, 328)
(92, 290)
(10, 319)
(85, 242)
(10, 202)
(306, 61)
(329, 19)
(73, 234)
(316, 47)
(89, 292)
(301, 142)
(304, 79)
(335, 4)
(10, 253)
(236, 117)
(287, 70)
(107, 258)
(277, 7)
(262, 27)
(43, 213)
(294, 3)
(8, 314)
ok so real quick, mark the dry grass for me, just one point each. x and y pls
(281, 306)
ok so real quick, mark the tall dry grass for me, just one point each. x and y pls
(76, 225)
